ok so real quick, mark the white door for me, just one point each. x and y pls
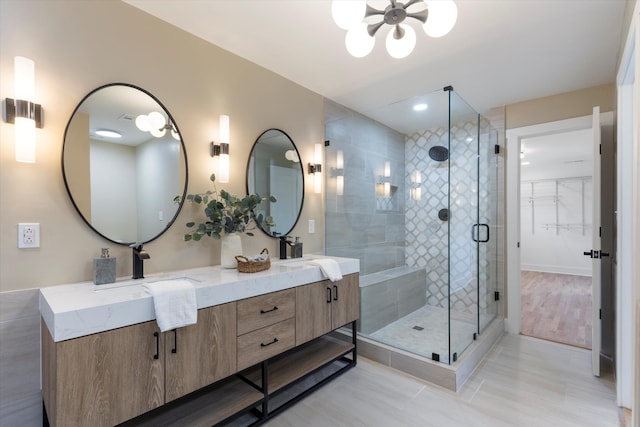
(595, 252)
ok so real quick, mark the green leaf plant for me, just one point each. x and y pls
(225, 214)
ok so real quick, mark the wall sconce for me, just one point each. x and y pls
(338, 172)
(23, 111)
(416, 181)
(222, 150)
(315, 168)
(384, 188)
(387, 179)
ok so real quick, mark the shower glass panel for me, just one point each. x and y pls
(464, 229)
(489, 212)
(405, 194)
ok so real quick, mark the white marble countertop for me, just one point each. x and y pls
(80, 309)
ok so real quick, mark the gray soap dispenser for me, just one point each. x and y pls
(296, 248)
(104, 268)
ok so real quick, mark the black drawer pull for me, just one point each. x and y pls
(157, 355)
(335, 289)
(174, 350)
(275, 340)
(328, 295)
(269, 311)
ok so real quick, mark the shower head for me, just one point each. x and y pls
(439, 153)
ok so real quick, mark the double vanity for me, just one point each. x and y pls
(261, 342)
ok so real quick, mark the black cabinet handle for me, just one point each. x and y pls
(603, 254)
(275, 340)
(335, 290)
(157, 355)
(589, 254)
(328, 295)
(174, 350)
(269, 311)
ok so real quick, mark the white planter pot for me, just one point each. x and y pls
(231, 246)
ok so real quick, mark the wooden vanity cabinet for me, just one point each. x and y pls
(266, 326)
(201, 354)
(217, 366)
(107, 378)
(324, 306)
(102, 379)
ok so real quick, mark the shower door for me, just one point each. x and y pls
(489, 173)
(464, 228)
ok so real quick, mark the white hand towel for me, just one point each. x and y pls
(174, 302)
(330, 268)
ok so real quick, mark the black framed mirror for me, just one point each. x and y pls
(123, 163)
(275, 169)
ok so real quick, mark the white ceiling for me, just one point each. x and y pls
(560, 150)
(499, 52)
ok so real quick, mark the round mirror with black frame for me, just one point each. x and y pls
(275, 169)
(124, 164)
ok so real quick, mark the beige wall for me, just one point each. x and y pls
(80, 45)
(562, 106)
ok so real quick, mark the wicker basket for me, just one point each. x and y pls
(247, 266)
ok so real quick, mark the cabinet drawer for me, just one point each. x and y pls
(264, 310)
(264, 343)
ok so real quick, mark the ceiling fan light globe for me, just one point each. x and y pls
(348, 13)
(358, 42)
(442, 17)
(158, 133)
(156, 120)
(142, 122)
(402, 47)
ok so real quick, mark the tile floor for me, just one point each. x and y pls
(523, 382)
(433, 338)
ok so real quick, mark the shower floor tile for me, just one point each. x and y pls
(433, 338)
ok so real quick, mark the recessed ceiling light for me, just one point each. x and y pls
(420, 107)
(108, 133)
(525, 163)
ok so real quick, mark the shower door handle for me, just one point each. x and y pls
(488, 233)
(475, 233)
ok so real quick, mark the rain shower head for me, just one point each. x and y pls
(439, 153)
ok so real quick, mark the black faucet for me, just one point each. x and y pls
(138, 256)
(283, 246)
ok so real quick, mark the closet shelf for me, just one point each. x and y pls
(532, 198)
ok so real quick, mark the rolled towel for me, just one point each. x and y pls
(330, 268)
(258, 258)
(174, 302)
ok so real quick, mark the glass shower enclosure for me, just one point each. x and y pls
(413, 193)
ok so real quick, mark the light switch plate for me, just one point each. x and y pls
(28, 235)
(312, 226)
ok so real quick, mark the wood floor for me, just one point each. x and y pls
(557, 307)
(523, 382)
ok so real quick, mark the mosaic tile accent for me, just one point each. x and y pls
(443, 246)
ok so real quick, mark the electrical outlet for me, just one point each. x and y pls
(28, 235)
(312, 226)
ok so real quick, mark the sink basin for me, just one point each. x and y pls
(293, 261)
(138, 282)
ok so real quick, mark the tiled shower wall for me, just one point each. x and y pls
(360, 222)
(388, 232)
(428, 235)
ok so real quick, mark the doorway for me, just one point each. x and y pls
(556, 206)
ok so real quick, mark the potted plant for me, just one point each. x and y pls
(227, 217)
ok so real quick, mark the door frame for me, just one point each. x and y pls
(514, 139)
